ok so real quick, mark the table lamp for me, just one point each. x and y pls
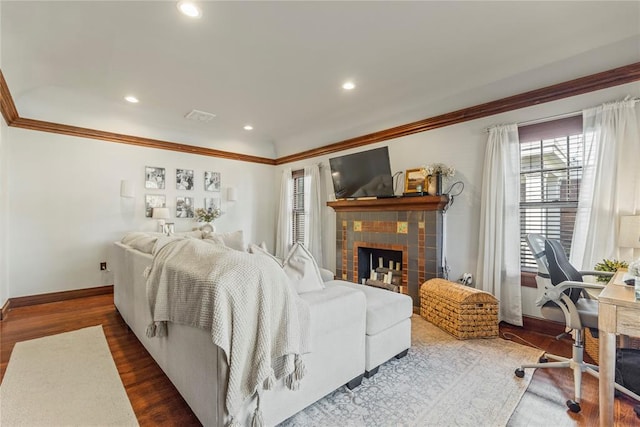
(161, 214)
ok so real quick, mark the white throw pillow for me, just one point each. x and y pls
(196, 234)
(233, 240)
(259, 250)
(214, 239)
(144, 242)
(302, 270)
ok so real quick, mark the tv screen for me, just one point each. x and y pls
(363, 174)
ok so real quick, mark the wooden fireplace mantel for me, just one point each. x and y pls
(414, 203)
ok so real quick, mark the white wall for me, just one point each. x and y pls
(461, 146)
(65, 208)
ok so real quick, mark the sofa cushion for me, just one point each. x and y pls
(384, 308)
(333, 307)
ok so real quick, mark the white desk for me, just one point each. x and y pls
(618, 313)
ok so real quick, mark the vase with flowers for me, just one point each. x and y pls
(434, 173)
(207, 216)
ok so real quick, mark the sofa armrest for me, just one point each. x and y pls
(326, 274)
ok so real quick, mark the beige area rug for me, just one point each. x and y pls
(441, 382)
(68, 379)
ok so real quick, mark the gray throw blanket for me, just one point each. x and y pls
(246, 301)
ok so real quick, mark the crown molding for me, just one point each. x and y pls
(614, 77)
(7, 106)
(50, 127)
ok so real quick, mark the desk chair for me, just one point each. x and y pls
(565, 300)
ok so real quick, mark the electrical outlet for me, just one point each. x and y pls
(103, 266)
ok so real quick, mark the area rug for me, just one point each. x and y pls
(68, 379)
(441, 382)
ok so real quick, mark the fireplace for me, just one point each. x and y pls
(381, 265)
(405, 230)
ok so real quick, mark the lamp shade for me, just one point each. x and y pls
(161, 213)
(232, 194)
(629, 235)
(126, 189)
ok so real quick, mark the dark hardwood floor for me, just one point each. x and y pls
(157, 403)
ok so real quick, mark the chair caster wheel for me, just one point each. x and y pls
(519, 373)
(573, 406)
(543, 359)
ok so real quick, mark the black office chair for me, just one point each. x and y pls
(565, 300)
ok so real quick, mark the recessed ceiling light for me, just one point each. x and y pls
(348, 86)
(190, 9)
(248, 127)
(131, 99)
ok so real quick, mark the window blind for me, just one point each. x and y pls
(550, 172)
(298, 206)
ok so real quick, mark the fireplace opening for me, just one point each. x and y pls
(381, 268)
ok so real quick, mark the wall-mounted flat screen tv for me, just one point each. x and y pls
(363, 174)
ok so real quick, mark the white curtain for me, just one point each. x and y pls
(313, 208)
(610, 181)
(284, 231)
(499, 247)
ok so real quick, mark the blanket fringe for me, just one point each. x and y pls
(157, 329)
(300, 370)
(270, 381)
(257, 420)
(151, 330)
(161, 329)
(292, 381)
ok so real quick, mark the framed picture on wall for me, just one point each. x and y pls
(212, 181)
(414, 181)
(153, 201)
(154, 177)
(184, 207)
(211, 203)
(184, 179)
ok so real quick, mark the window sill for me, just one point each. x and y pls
(528, 279)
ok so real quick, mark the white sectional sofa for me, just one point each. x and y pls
(354, 328)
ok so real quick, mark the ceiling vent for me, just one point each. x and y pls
(199, 116)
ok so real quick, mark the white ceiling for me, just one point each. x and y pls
(280, 65)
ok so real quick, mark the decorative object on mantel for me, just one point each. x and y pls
(414, 182)
(434, 173)
(207, 216)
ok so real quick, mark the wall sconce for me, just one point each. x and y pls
(629, 234)
(126, 189)
(161, 214)
(232, 194)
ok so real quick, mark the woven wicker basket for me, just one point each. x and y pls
(462, 311)
(592, 346)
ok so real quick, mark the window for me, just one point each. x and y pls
(551, 157)
(299, 216)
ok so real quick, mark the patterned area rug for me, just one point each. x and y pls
(441, 382)
(68, 379)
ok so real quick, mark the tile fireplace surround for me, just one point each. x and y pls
(412, 225)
